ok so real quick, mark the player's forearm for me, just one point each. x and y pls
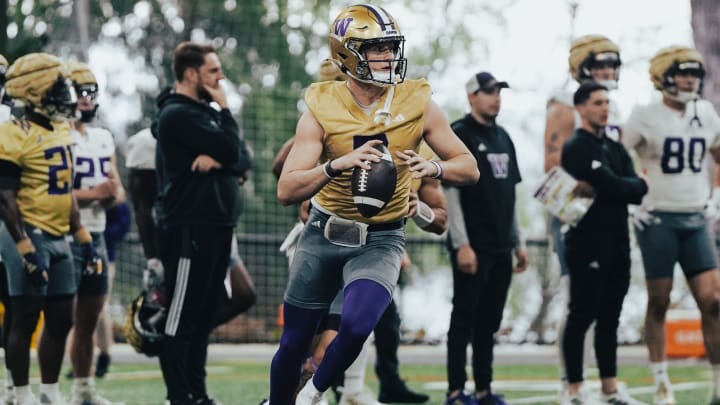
(10, 214)
(440, 223)
(300, 185)
(85, 197)
(460, 170)
(74, 216)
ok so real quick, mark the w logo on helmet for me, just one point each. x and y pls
(341, 26)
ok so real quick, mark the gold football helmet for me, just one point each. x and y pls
(86, 87)
(41, 82)
(668, 61)
(354, 30)
(592, 51)
(81, 74)
(145, 322)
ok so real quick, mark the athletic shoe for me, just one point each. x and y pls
(206, 401)
(582, 398)
(46, 400)
(664, 394)
(364, 397)
(90, 397)
(309, 395)
(461, 399)
(9, 396)
(102, 365)
(573, 400)
(265, 401)
(619, 398)
(399, 393)
(564, 393)
(29, 400)
(491, 399)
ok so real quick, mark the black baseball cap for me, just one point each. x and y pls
(484, 81)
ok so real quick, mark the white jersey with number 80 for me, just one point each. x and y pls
(672, 147)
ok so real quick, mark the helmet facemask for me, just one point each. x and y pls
(670, 89)
(363, 71)
(87, 92)
(601, 60)
(60, 101)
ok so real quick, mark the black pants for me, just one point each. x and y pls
(597, 289)
(195, 260)
(478, 303)
(387, 340)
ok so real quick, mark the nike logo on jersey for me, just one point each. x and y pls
(399, 118)
(482, 147)
(595, 164)
(594, 265)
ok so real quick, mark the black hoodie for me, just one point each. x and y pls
(185, 129)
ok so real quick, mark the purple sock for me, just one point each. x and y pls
(300, 326)
(363, 305)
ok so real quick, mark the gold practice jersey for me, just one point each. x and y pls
(347, 126)
(38, 163)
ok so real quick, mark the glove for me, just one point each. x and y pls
(92, 264)
(35, 270)
(153, 274)
(92, 261)
(712, 212)
(642, 217)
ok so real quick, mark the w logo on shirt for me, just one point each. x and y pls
(342, 25)
(499, 164)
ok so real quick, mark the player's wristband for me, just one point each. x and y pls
(424, 215)
(439, 169)
(329, 171)
(25, 246)
(82, 236)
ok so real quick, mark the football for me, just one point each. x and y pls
(373, 189)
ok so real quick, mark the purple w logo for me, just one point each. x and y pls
(341, 26)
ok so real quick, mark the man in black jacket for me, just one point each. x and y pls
(199, 158)
(598, 248)
(482, 237)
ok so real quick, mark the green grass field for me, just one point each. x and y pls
(246, 383)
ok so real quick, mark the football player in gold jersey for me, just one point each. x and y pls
(38, 209)
(344, 121)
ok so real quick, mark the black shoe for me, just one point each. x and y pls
(401, 394)
(206, 401)
(102, 365)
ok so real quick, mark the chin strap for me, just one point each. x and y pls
(696, 118)
(383, 115)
